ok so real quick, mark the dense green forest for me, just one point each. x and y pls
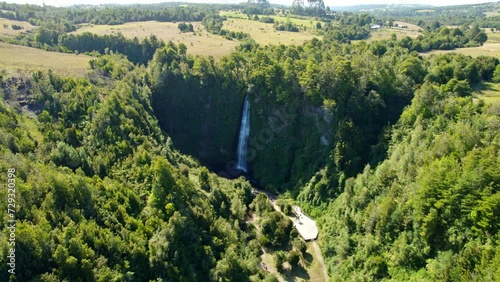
(128, 173)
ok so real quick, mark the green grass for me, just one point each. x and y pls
(233, 14)
(307, 22)
(21, 60)
(198, 43)
(386, 33)
(488, 49)
(493, 36)
(487, 91)
(9, 32)
(265, 33)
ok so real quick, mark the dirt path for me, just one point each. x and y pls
(317, 252)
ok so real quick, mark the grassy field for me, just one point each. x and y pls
(308, 22)
(487, 91)
(411, 27)
(21, 59)
(265, 34)
(199, 43)
(488, 49)
(493, 37)
(8, 31)
(386, 33)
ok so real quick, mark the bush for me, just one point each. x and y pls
(267, 20)
(183, 27)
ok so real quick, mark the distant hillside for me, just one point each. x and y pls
(375, 7)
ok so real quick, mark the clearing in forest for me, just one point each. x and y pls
(488, 49)
(7, 27)
(199, 42)
(23, 59)
(265, 33)
(487, 91)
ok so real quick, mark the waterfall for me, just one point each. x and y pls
(243, 139)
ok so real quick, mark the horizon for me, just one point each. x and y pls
(330, 3)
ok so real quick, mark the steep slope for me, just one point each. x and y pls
(102, 195)
(431, 211)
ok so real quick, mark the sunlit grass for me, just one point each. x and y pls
(487, 91)
(22, 59)
(488, 49)
(198, 43)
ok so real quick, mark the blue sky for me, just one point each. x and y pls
(327, 2)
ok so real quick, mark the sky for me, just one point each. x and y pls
(327, 2)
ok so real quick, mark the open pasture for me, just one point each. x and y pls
(386, 33)
(7, 30)
(488, 49)
(265, 33)
(22, 59)
(199, 43)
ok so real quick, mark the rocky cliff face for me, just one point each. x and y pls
(287, 140)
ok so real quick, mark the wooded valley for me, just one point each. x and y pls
(127, 172)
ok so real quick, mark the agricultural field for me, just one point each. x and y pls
(199, 43)
(20, 59)
(7, 30)
(386, 33)
(488, 49)
(264, 33)
(307, 22)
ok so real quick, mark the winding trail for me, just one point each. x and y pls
(317, 251)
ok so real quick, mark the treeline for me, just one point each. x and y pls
(138, 52)
(257, 7)
(56, 38)
(443, 38)
(315, 8)
(238, 35)
(166, 12)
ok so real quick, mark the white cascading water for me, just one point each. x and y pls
(244, 134)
